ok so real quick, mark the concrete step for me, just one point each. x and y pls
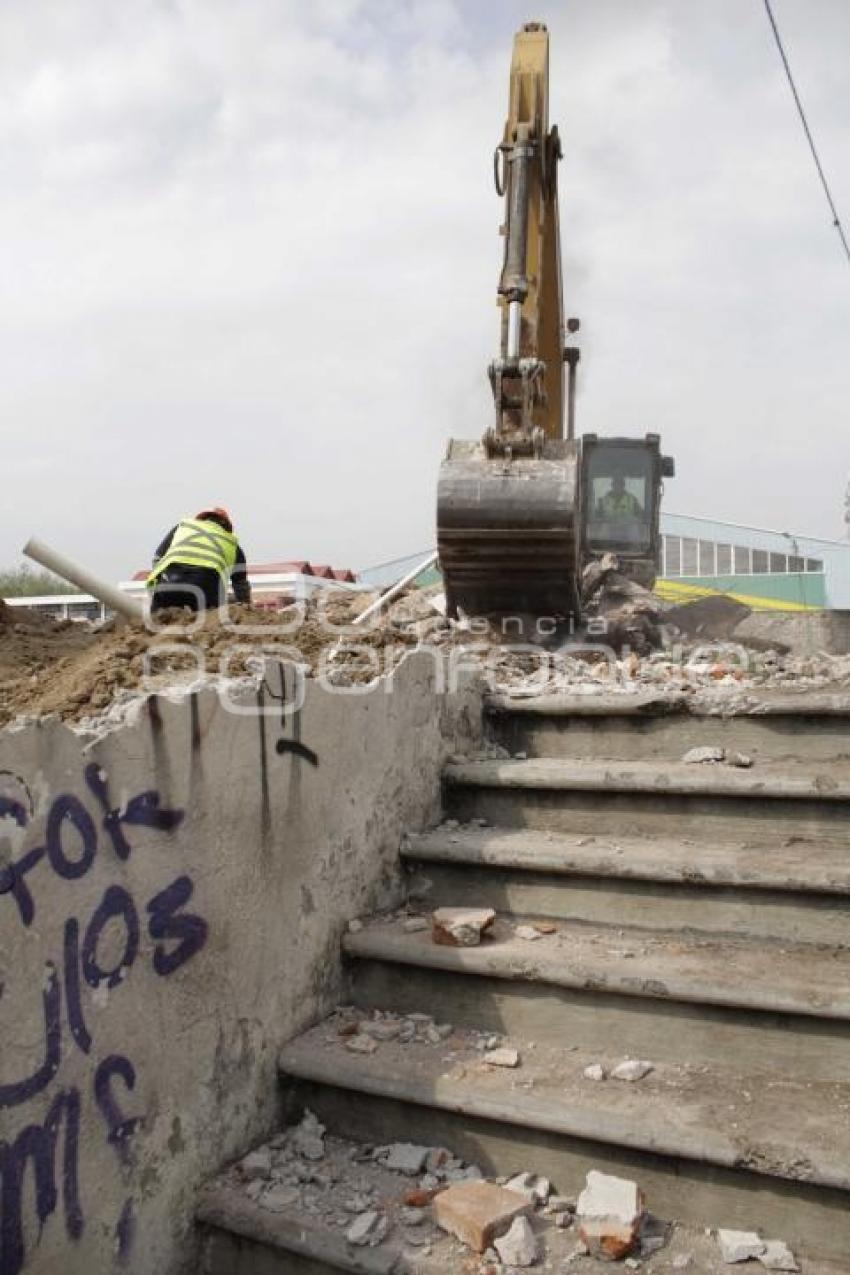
(242, 1236)
(799, 892)
(710, 1148)
(779, 1008)
(628, 797)
(808, 726)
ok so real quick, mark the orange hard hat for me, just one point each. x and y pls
(218, 512)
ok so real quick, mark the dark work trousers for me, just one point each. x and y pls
(171, 589)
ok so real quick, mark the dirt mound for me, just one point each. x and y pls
(76, 670)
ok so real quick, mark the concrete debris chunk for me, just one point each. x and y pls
(361, 1044)
(502, 1057)
(369, 1228)
(308, 1139)
(278, 1198)
(381, 1028)
(594, 1072)
(654, 1234)
(461, 927)
(477, 1213)
(528, 933)
(405, 1157)
(438, 1159)
(520, 1246)
(631, 1069)
(742, 760)
(257, 1164)
(777, 1256)
(707, 753)
(739, 1246)
(560, 1204)
(609, 1212)
(532, 1186)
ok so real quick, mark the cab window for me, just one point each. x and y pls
(618, 498)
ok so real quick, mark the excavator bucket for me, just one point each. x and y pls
(506, 530)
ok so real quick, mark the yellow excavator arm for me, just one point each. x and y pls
(526, 171)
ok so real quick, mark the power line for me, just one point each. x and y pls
(836, 220)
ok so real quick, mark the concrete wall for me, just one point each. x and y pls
(180, 889)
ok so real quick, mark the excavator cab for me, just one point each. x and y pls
(619, 502)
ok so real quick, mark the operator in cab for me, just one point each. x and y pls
(195, 562)
(618, 503)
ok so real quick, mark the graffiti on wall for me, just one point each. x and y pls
(76, 835)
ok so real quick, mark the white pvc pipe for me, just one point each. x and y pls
(395, 589)
(74, 574)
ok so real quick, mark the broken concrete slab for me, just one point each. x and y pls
(361, 1044)
(503, 1057)
(594, 1072)
(461, 927)
(609, 1213)
(535, 1188)
(404, 1157)
(739, 1246)
(308, 1138)
(632, 1069)
(279, 1198)
(257, 1164)
(519, 1246)
(528, 932)
(777, 1256)
(477, 1213)
(367, 1229)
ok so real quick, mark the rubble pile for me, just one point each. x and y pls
(427, 1209)
(629, 643)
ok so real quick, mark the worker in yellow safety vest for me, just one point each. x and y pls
(195, 561)
(618, 503)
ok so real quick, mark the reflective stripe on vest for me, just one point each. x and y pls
(197, 543)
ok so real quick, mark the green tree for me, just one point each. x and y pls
(24, 582)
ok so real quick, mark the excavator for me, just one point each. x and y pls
(524, 511)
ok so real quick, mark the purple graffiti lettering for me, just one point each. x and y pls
(143, 811)
(125, 1231)
(120, 1128)
(11, 809)
(12, 881)
(36, 1144)
(167, 923)
(116, 902)
(11, 1095)
(69, 809)
(73, 1000)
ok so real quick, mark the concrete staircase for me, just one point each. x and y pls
(700, 921)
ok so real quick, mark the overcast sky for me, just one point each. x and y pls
(249, 257)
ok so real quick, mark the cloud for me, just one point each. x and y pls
(250, 256)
